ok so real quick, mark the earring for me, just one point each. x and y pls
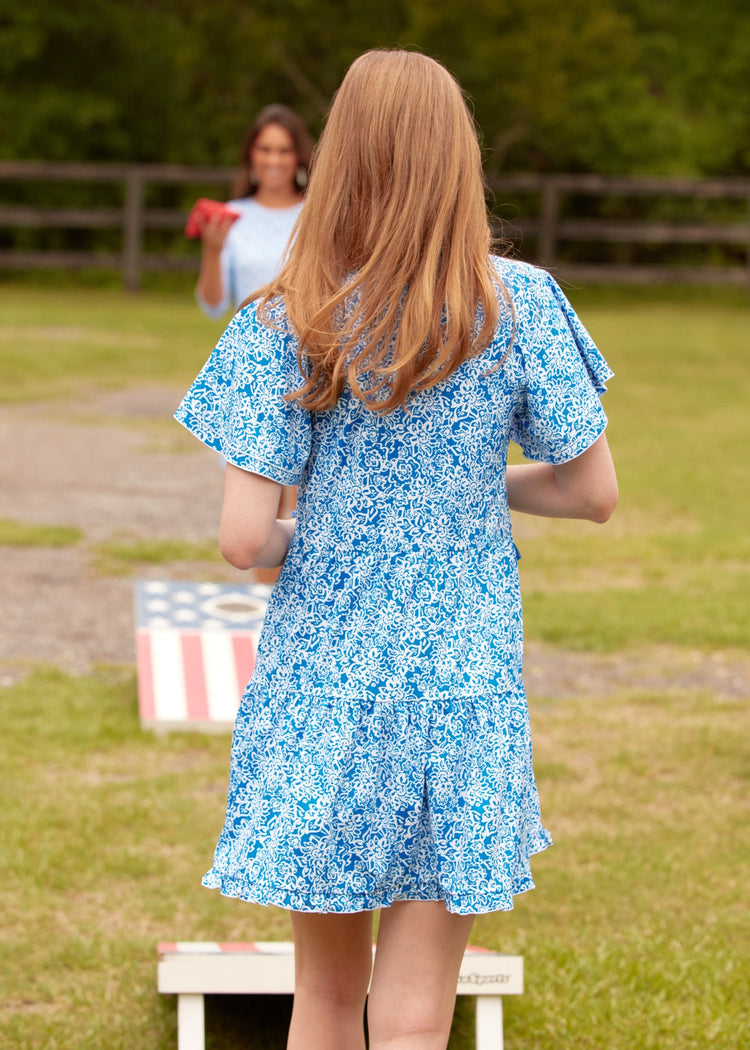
(301, 177)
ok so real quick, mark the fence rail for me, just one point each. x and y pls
(544, 221)
(552, 229)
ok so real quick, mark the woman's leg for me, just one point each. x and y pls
(413, 990)
(332, 964)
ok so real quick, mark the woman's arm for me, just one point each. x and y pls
(585, 487)
(249, 532)
(210, 286)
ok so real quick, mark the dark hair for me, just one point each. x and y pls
(303, 147)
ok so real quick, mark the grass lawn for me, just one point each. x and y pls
(18, 534)
(673, 563)
(54, 340)
(121, 557)
(638, 935)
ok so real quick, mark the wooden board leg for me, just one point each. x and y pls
(190, 1023)
(489, 1022)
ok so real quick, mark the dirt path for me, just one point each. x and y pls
(114, 466)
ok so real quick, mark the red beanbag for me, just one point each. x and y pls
(205, 209)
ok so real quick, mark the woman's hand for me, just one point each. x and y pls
(214, 230)
(250, 534)
(585, 487)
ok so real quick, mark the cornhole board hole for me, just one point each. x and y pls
(196, 646)
(193, 969)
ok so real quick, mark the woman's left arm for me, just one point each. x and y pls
(250, 534)
(584, 487)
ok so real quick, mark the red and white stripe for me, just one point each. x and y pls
(192, 678)
(219, 947)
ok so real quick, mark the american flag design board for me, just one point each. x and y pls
(196, 645)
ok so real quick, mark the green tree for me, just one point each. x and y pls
(591, 85)
(696, 58)
(88, 79)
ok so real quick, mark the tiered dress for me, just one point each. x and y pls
(382, 749)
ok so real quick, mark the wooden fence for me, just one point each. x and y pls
(548, 232)
(554, 230)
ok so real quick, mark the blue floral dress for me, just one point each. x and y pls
(382, 748)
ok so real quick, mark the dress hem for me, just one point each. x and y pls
(350, 903)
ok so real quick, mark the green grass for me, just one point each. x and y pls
(22, 534)
(635, 938)
(53, 342)
(118, 556)
(672, 565)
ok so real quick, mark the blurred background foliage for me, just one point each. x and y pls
(609, 86)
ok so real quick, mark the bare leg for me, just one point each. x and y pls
(332, 964)
(413, 990)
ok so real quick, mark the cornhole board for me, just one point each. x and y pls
(196, 646)
(192, 969)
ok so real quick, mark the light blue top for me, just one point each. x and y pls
(252, 252)
(382, 749)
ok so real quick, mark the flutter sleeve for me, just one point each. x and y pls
(559, 413)
(236, 404)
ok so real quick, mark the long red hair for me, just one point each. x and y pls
(388, 282)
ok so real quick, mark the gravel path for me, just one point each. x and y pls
(114, 466)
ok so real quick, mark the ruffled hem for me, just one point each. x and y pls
(348, 901)
(350, 806)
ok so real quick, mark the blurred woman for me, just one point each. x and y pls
(239, 257)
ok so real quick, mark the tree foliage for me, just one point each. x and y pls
(613, 86)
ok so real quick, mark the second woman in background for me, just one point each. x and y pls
(240, 257)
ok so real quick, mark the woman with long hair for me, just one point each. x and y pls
(239, 257)
(381, 756)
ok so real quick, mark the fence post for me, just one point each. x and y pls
(132, 231)
(548, 223)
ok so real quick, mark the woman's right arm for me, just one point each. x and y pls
(210, 285)
(250, 533)
(584, 487)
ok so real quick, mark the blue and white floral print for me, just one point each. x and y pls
(382, 748)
